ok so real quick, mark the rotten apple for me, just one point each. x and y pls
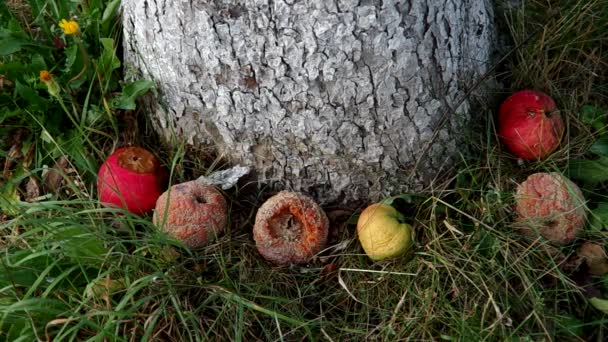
(550, 205)
(131, 178)
(192, 212)
(529, 124)
(290, 228)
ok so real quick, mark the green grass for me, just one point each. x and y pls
(72, 270)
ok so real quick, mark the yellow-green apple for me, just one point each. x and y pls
(382, 232)
(529, 124)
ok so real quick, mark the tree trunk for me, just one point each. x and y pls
(344, 100)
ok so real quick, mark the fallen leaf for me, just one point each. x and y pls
(4, 82)
(129, 133)
(595, 257)
(600, 304)
(9, 199)
(338, 220)
(53, 178)
(12, 156)
(103, 288)
(32, 189)
(329, 269)
(28, 158)
(57, 321)
(584, 280)
(58, 43)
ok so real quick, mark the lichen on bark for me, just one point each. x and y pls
(344, 100)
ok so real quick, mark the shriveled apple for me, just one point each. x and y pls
(550, 204)
(595, 257)
(290, 228)
(529, 124)
(193, 212)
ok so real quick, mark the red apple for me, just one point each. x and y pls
(193, 212)
(131, 178)
(530, 125)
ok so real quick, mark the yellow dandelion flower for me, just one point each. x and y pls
(45, 76)
(51, 85)
(69, 27)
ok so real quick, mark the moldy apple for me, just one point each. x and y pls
(290, 228)
(193, 212)
(551, 205)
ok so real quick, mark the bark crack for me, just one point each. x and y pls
(332, 98)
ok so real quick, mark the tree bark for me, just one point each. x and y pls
(344, 100)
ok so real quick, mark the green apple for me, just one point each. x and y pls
(382, 232)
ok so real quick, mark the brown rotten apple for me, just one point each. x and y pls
(290, 228)
(530, 125)
(552, 205)
(131, 178)
(595, 257)
(193, 212)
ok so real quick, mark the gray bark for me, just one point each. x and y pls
(344, 100)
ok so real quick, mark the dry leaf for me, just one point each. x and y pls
(57, 321)
(4, 82)
(32, 189)
(595, 257)
(14, 152)
(53, 178)
(28, 158)
(104, 288)
(600, 304)
(129, 132)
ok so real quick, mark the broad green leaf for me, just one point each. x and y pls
(9, 199)
(27, 93)
(408, 198)
(108, 61)
(10, 42)
(600, 304)
(94, 115)
(599, 217)
(25, 274)
(78, 242)
(16, 70)
(74, 144)
(71, 54)
(110, 11)
(130, 92)
(31, 96)
(9, 45)
(590, 171)
(600, 147)
(38, 63)
(108, 56)
(593, 116)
